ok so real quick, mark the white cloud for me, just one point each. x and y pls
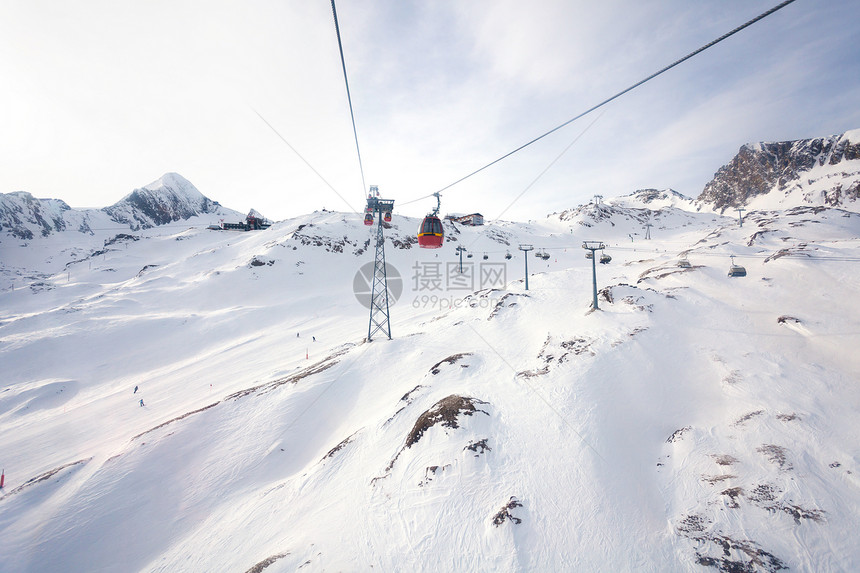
(107, 96)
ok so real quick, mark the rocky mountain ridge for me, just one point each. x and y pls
(21, 214)
(168, 199)
(819, 171)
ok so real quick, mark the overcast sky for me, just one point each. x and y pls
(101, 97)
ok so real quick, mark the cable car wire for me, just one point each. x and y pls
(300, 156)
(619, 94)
(349, 98)
(541, 174)
(548, 167)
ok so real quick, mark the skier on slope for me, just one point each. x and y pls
(141, 403)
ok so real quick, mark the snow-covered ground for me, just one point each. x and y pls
(695, 422)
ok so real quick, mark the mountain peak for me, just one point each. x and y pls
(173, 183)
(165, 200)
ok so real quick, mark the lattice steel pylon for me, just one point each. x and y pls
(379, 313)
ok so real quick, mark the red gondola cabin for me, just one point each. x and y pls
(430, 234)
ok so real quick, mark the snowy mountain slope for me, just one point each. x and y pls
(696, 422)
(626, 218)
(654, 199)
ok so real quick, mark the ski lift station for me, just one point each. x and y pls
(472, 219)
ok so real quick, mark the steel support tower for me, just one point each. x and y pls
(525, 249)
(460, 250)
(379, 313)
(593, 246)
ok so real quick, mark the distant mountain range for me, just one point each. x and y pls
(762, 176)
(168, 199)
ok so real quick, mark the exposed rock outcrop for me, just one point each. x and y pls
(170, 198)
(821, 171)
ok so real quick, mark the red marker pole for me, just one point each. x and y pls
(2, 479)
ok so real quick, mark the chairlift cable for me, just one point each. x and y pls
(619, 94)
(801, 255)
(796, 255)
